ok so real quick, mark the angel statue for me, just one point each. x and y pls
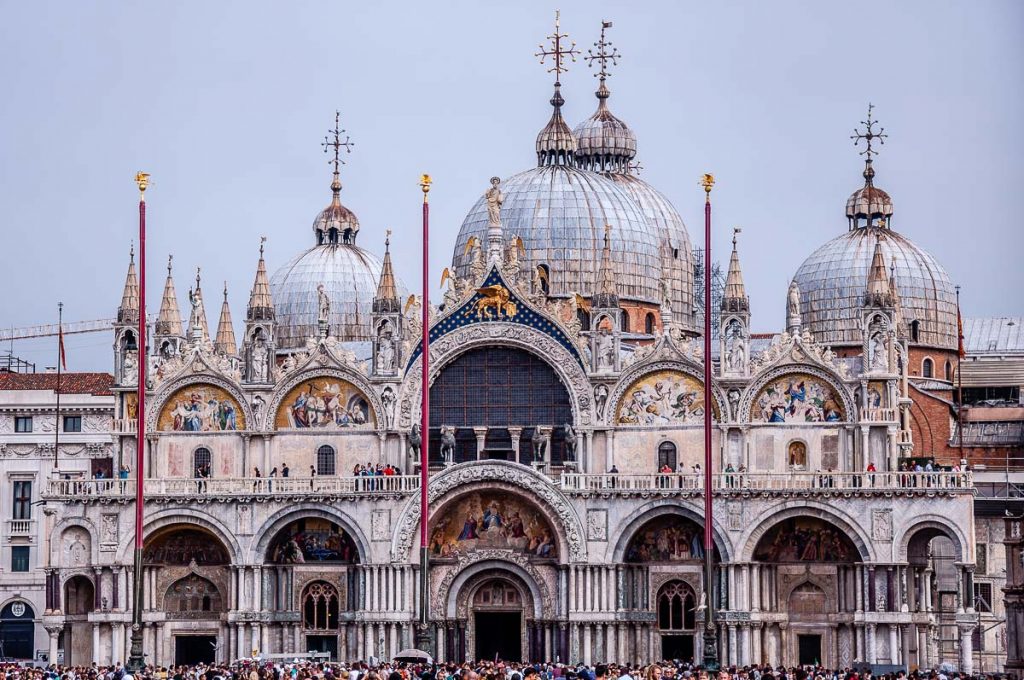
(513, 252)
(451, 293)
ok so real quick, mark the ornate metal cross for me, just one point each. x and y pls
(557, 51)
(603, 55)
(336, 144)
(869, 134)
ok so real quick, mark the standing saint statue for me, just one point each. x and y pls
(323, 304)
(494, 199)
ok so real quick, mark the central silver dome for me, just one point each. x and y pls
(560, 212)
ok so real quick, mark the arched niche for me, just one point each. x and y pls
(671, 512)
(664, 396)
(182, 545)
(667, 538)
(492, 519)
(312, 540)
(805, 539)
(194, 596)
(79, 596)
(324, 402)
(201, 407)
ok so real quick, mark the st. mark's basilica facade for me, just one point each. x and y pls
(566, 407)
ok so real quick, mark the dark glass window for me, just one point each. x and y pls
(72, 423)
(927, 368)
(23, 424)
(201, 460)
(649, 323)
(19, 558)
(498, 387)
(667, 455)
(325, 460)
(22, 500)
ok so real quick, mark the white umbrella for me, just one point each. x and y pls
(414, 656)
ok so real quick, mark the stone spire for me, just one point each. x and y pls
(261, 306)
(607, 295)
(169, 320)
(879, 291)
(128, 312)
(735, 297)
(225, 343)
(386, 299)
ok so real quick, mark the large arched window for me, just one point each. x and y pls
(949, 372)
(320, 605)
(676, 607)
(666, 456)
(201, 461)
(325, 461)
(624, 320)
(498, 388)
(927, 368)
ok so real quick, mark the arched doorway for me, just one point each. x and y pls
(321, 611)
(499, 388)
(677, 620)
(935, 586)
(782, 558)
(498, 620)
(79, 601)
(17, 630)
(190, 567)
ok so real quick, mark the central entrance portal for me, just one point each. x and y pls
(498, 635)
(677, 647)
(193, 649)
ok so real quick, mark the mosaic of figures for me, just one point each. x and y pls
(325, 404)
(663, 398)
(670, 538)
(805, 539)
(797, 398)
(201, 408)
(313, 540)
(490, 520)
(183, 546)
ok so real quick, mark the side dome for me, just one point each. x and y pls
(833, 280)
(560, 212)
(604, 143)
(349, 275)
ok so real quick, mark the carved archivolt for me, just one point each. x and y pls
(764, 378)
(465, 475)
(491, 334)
(442, 594)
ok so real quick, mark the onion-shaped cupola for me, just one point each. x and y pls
(833, 279)
(604, 143)
(336, 224)
(556, 145)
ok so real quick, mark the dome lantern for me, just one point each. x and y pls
(556, 144)
(336, 224)
(869, 203)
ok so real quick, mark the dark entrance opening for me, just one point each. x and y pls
(498, 635)
(17, 631)
(192, 649)
(497, 454)
(809, 652)
(323, 643)
(676, 647)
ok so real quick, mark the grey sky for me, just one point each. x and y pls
(226, 104)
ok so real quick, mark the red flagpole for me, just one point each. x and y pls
(710, 656)
(423, 636)
(136, 658)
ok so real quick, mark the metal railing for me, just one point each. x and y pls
(758, 481)
(234, 486)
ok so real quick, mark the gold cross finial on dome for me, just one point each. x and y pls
(603, 55)
(558, 51)
(869, 134)
(336, 143)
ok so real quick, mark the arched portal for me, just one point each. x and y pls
(17, 630)
(811, 597)
(498, 618)
(79, 601)
(936, 585)
(321, 612)
(504, 394)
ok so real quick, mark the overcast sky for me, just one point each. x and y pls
(226, 104)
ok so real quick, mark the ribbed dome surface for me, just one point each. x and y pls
(560, 213)
(869, 202)
(834, 278)
(349, 275)
(604, 143)
(676, 251)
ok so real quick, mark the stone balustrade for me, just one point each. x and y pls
(747, 482)
(223, 487)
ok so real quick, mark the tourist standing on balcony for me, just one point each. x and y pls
(257, 475)
(122, 474)
(871, 470)
(312, 476)
(270, 482)
(284, 469)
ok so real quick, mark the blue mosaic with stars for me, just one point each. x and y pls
(467, 315)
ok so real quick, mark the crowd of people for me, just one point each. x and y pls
(487, 670)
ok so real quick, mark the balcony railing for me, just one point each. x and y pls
(878, 415)
(234, 486)
(20, 527)
(738, 482)
(124, 426)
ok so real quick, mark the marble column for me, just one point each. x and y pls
(756, 656)
(871, 644)
(96, 642)
(54, 634)
(755, 587)
(894, 647)
(966, 650)
(733, 655)
(746, 657)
